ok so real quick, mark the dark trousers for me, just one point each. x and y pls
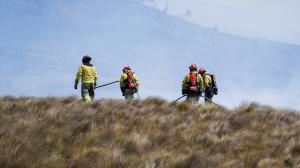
(192, 98)
(208, 93)
(128, 94)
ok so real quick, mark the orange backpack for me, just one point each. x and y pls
(130, 81)
(193, 87)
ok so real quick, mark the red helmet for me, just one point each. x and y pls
(193, 67)
(126, 68)
(86, 59)
(201, 71)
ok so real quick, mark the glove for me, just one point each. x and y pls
(183, 91)
(95, 84)
(135, 90)
(75, 85)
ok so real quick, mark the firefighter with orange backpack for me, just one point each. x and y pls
(210, 85)
(129, 83)
(192, 85)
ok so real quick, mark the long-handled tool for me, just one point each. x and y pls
(200, 96)
(210, 101)
(180, 98)
(205, 98)
(138, 95)
(106, 84)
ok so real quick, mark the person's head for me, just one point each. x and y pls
(193, 68)
(86, 59)
(126, 69)
(201, 71)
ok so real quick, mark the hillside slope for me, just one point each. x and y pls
(45, 40)
(64, 132)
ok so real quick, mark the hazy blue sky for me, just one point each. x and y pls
(42, 43)
(271, 19)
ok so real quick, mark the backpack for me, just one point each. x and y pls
(214, 83)
(130, 81)
(193, 87)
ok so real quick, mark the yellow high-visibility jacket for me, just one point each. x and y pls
(186, 80)
(124, 77)
(207, 80)
(87, 74)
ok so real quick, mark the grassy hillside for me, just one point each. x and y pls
(64, 132)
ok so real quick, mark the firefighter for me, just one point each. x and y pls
(88, 75)
(192, 85)
(210, 88)
(129, 83)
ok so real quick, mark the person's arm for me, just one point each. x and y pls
(184, 84)
(200, 83)
(95, 77)
(136, 80)
(200, 80)
(122, 79)
(78, 76)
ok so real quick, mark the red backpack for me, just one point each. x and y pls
(193, 82)
(130, 80)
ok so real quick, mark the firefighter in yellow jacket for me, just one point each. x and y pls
(192, 85)
(208, 85)
(129, 83)
(88, 75)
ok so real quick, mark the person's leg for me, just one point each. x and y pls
(188, 98)
(211, 95)
(85, 92)
(129, 94)
(91, 91)
(192, 98)
(195, 99)
(208, 94)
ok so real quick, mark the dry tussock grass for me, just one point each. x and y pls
(153, 133)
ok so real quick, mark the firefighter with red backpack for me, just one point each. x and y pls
(129, 83)
(210, 85)
(192, 85)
